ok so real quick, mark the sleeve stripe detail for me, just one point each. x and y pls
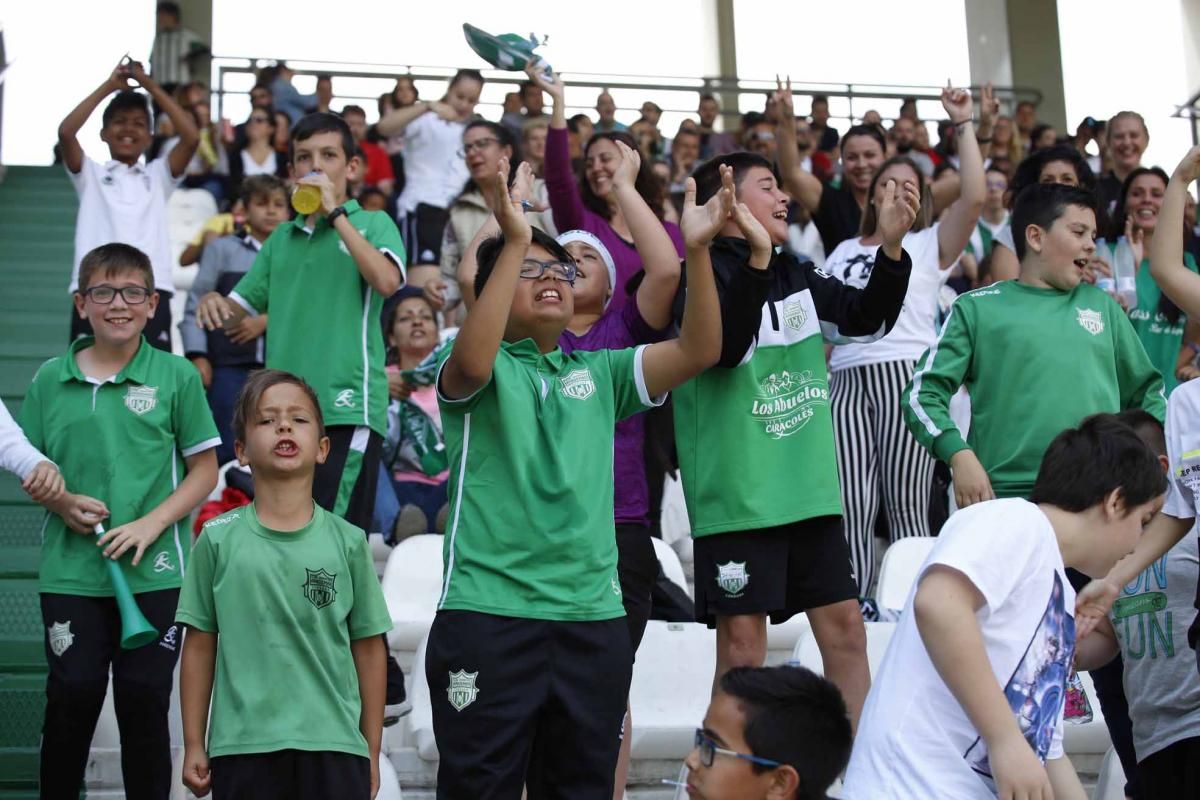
(639, 378)
(914, 395)
(207, 444)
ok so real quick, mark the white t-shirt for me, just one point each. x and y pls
(119, 203)
(1183, 451)
(916, 329)
(251, 167)
(914, 739)
(434, 172)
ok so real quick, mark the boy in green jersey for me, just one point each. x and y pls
(323, 279)
(529, 659)
(1037, 354)
(130, 428)
(284, 618)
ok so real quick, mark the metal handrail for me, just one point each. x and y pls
(224, 66)
(1191, 111)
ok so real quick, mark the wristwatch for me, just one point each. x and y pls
(340, 211)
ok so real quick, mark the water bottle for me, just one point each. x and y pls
(1107, 282)
(1125, 273)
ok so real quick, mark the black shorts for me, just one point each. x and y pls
(779, 571)
(157, 331)
(291, 775)
(526, 703)
(637, 569)
(422, 230)
(345, 484)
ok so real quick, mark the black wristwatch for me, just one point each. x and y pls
(340, 211)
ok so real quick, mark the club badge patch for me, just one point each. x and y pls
(794, 315)
(733, 578)
(577, 384)
(1092, 321)
(141, 399)
(61, 637)
(462, 690)
(319, 587)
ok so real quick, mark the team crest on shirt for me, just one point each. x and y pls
(462, 690)
(1092, 321)
(60, 637)
(794, 315)
(577, 384)
(319, 587)
(141, 399)
(733, 578)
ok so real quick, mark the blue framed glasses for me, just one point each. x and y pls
(708, 751)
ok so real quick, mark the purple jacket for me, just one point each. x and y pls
(617, 329)
(571, 214)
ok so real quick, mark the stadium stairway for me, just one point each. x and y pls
(37, 224)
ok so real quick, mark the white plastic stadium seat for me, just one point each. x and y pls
(412, 584)
(389, 784)
(901, 564)
(879, 635)
(670, 563)
(187, 211)
(674, 520)
(420, 721)
(782, 638)
(672, 684)
(1111, 783)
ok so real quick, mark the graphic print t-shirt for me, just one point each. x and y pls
(914, 738)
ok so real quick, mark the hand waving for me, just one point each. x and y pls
(508, 211)
(898, 212)
(989, 110)
(957, 103)
(783, 98)
(701, 223)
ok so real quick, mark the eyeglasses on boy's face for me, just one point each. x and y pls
(132, 295)
(478, 144)
(532, 269)
(708, 750)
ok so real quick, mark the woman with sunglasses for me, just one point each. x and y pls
(258, 155)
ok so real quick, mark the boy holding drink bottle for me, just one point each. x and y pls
(130, 428)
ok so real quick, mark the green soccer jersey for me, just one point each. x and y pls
(1035, 362)
(531, 530)
(1161, 337)
(324, 317)
(122, 441)
(285, 607)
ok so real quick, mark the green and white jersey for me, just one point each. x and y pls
(324, 317)
(286, 606)
(122, 441)
(1035, 361)
(531, 531)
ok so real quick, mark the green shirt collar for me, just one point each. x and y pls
(526, 350)
(134, 371)
(300, 223)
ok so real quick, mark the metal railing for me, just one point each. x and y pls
(1191, 111)
(848, 101)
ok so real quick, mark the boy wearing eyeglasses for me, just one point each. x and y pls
(130, 429)
(529, 658)
(775, 733)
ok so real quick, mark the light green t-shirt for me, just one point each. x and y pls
(531, 531)
(1161, 337)
(285, 606)
(122, 442)
(324, 317)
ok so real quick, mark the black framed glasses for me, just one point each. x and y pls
(478, 144)
(708, 751)
(132, 295)
(532, 269)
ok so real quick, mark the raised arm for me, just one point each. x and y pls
(668, 364)
(185, 124)
(959, 220)
(945, 607)
(377, 269)
(469, 367)
(68, 129)
(396, 120)
(801, 185)
(659, 257)
(1166, 250)
(566, 205)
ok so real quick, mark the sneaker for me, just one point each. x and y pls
(392, 712)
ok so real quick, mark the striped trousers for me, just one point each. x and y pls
(878, 460)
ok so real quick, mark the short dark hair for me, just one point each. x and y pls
(353, 109)
(1029, 171)
(321, 122)
(168, 7)
(370, 191)
(871, 131)
(526, 85)
(489, 251)
(573, 122)
(795, 717)
(111, 258)
(1083, 465)
(708, 174)
(1041, 204)
(262, 186)
(251, 395)
(1029, 103)
(819, 98)
(1147, 427)
(127, 100)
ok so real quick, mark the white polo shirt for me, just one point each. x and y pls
(119, 203)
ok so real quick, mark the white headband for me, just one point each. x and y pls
(591, 241)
